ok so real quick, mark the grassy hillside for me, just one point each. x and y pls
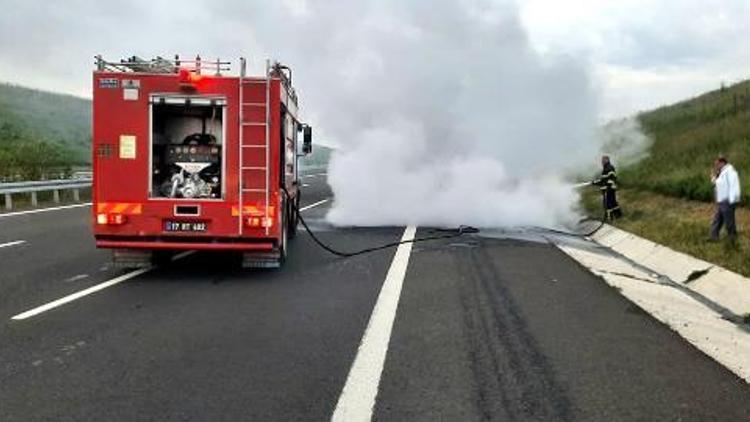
(687, 137)
(47, 117)
(667, 197)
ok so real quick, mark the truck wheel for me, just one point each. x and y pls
(283, 242)
(293, 218)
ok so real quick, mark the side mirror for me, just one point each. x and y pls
(307, 140)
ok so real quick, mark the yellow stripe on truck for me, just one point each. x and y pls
(126, 208)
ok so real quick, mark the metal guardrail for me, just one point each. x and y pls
(32, 187)
(76, 184)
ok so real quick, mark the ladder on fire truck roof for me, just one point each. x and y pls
(135, 64)
(245, 125)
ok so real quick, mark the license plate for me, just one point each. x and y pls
(184, 226)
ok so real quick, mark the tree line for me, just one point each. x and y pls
(27, 157)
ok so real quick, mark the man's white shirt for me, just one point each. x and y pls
(728, 185)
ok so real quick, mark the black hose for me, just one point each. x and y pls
(589, 234)
(460, 231)
(602, 222)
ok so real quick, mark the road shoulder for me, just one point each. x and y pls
(703, 303)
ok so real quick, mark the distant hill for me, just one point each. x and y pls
(687, 137)
(66, 120)
(48, 117)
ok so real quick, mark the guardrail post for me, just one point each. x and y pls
(35, 186)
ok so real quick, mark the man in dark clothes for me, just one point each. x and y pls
(608, 185)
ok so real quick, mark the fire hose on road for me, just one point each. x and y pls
(459, 231)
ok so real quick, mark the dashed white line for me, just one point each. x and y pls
(74, 296)
(313, 175)
(14, 243)
(77, 295)
(64, 207)
(76, 278)
(321, 202)
(93, 289)
(358, 396)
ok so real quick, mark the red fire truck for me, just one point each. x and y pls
(187, 157)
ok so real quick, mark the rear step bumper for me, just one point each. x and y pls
(201, 246)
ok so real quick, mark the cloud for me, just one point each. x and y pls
(647, 53)
(51, 46)
(54, 48)
(641, 33)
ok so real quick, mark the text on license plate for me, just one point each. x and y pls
(184, 226)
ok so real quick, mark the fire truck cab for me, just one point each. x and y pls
(186, 157)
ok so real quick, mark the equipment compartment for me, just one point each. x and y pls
(187, 154)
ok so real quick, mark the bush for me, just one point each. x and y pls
(26, 158)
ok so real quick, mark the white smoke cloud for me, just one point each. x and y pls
(445, 115)
(624, 140)
(441, 110)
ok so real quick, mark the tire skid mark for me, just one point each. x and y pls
(514, 381)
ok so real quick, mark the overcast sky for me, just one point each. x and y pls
(644, 53)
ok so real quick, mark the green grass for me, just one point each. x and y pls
(687, 137)
(667, 197)
(680, 224)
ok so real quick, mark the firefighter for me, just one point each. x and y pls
(608, 186)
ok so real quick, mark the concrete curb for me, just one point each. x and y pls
(699, 301)
(721, 286)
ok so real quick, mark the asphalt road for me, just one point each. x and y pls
(486, 329)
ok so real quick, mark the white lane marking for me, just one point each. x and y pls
(64, 207)
(76, 278)
(14, 243)
(305, 208)
(314, 175)
(114, 281)
(358, 396)
(69, 298)
(93, 289)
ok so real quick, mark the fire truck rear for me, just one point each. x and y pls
(187, 157)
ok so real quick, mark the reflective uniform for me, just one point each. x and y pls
(608, 185)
